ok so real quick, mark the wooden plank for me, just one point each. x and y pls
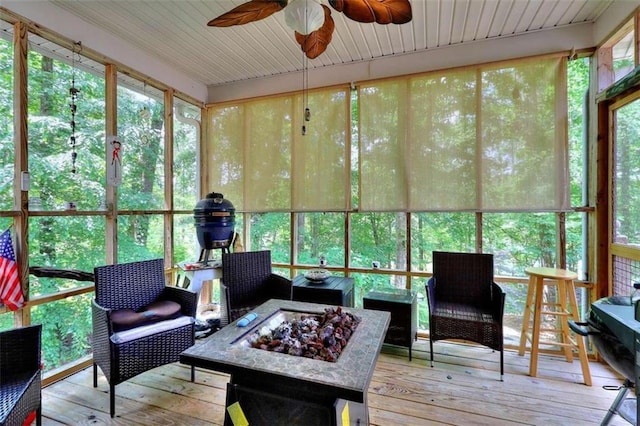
(62, 408)
(463, 387)
(605, 67)
(472, 398)
(156, 379)
(111, 127)
(21, 163)
(484, 363)
(379, 417)
(602, 201)
(168, 177)
(141, 403)
(205, 377)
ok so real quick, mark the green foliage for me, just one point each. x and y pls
(271, 231)
(67, 328)
(626, 192)
(320, 234)
(77, 242)
(6, 125)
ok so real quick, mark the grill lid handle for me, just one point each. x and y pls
(218, 198)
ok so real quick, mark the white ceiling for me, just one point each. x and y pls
(169, 40)
(177, 32)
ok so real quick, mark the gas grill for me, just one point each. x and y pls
(612, 327)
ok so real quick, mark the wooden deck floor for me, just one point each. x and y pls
(463, 388)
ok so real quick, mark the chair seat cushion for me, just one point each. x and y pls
(462, 312)
(126, 319)
(150, 329)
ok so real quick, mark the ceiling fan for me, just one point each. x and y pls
(312, 21)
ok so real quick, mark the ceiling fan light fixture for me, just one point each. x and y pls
(311, 21)
(304, 16)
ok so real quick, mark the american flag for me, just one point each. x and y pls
(10, 289)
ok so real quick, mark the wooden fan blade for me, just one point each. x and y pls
(316, 42)
(379, 11)
(251, 11)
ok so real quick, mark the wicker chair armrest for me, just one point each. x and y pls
(186, 298)
(280, 287)
(225, 308)
(497, 302)
(101, 319)
(431, 293)
(101, 344)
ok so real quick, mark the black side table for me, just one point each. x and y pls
(403, 306)
(332, 291)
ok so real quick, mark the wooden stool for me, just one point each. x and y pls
(565, 307)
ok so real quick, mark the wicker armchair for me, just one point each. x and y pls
(247, 281)
(464, 301)
(20, 375)
(123, 352)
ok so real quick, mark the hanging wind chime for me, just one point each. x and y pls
(73, 92)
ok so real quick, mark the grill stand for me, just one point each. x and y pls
(625, 407)
(204, 254)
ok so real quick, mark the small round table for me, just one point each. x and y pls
(565, 307)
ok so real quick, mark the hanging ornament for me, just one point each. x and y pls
(145, 112)
(73, 92)
(114, 160)
(305, 93)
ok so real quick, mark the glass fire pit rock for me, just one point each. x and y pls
(321, 337)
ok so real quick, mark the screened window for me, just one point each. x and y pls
(482, 139)
(623, 53)
(381, 238)
(320, 235)
(626, 179)
(140, 237)
(616, 56)
(186, 134)
(67, 330)
(66, 135)
(65, 242)
(626, 195)
(455, 231)
(270, 231)
(263, 162)
(141, 133)
(520, 240)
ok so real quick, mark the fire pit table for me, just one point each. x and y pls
(271, 388)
